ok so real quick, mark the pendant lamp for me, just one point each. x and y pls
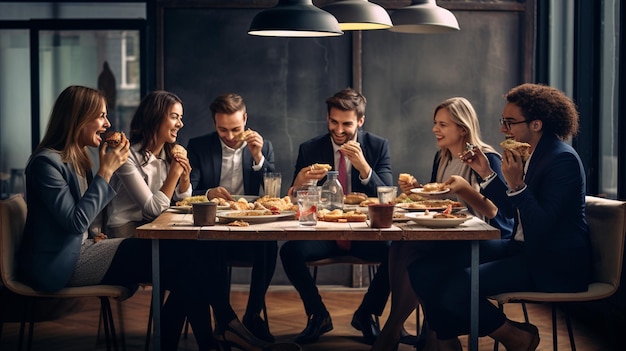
(423, 16)
(294, 18)
(359, 15)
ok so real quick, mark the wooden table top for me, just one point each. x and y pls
(171, 225)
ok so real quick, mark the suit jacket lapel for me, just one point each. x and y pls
(216, 157)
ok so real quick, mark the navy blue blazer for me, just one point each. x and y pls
(57, 217)
(376, 152)
(205, 157)
(552, 211)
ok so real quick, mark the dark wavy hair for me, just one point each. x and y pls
(151, 112)
(552, 107)
(348, 100)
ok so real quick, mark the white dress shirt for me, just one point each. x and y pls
(138, 184)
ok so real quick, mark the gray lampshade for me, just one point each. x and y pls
(359, 15)
(423, 16)
(294, 18)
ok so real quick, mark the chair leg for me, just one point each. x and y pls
(149, 331)
(122, 331)
(525, 310)
(554, 336)
(105, 317)
(496, 344)
(570, 331)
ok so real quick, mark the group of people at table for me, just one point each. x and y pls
(80, 223)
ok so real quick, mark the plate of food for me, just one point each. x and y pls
(249, 198)
(254, 216)
(439, 220)
(400, 217)
(431, 205)
(431, 189)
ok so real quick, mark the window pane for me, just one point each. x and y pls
(15, 126)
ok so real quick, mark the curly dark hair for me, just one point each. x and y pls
(551, 106)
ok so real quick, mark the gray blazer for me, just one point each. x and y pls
(58, 215)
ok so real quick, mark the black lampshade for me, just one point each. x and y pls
(294, 18)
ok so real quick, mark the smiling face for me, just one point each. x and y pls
(228, 126)
(91, 133)
(518, 131)
(343, 125)
(170, 125)
(449, 135)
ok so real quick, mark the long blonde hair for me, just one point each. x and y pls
(463, 114)
(73, 109)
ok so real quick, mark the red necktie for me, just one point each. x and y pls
(342, 177)
(343, 174)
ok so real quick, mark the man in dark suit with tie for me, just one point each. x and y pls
(225, 163)
(367, 161)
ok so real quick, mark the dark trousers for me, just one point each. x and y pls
(295, 254)
(441, 281)
(193, 273)
(261, 255)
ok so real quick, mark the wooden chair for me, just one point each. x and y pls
(12, 221)
(607, 223)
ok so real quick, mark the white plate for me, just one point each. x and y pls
(252, 216)
(422, 192)
(181, 209)
(223, 207)
(429, 221)
(407, 206)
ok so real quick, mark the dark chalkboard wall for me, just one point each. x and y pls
(285, 81)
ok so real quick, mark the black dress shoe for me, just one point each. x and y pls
(408, 339)
(317, 325)
(257, 326)
(365, 323)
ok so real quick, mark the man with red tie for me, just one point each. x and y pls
(363, 161)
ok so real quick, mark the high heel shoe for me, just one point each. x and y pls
(235, 334)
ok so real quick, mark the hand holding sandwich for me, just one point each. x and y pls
(315, 172)
(406, 182)
(254, 141)
(112, 158)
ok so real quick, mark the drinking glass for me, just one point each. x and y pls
(271, 184)
(307, 207)
(387, 194)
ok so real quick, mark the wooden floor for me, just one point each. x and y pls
(78, 331)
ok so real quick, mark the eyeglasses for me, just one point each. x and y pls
(507, 124)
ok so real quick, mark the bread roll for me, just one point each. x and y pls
(179, 150)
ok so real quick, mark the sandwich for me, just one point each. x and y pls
(354, 198)
(179, 150)
(243, 135)
(113, 138)
(325, 166)
(405, 177)
(522, 148)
